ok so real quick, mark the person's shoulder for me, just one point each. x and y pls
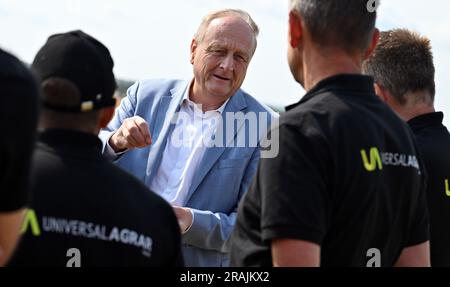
(130, 187)
(149, 91)
(44, 156)
(155, 85)
(315, 115)
(319, 106)
(139, 202)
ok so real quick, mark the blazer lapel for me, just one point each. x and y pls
(169, 106)
(212, 154)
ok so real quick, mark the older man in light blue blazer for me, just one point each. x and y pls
(197, 143)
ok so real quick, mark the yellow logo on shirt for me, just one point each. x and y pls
(31, 220)
(375, 160)
(447, 189)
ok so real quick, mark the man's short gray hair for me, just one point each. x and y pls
(344, 23)
(200, 34)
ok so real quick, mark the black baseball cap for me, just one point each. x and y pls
(81, 59)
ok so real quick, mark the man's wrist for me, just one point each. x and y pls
(192, 222)
(111, 143)
(110, 153)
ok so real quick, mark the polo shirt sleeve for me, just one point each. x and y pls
(419, 225)
(295, 197)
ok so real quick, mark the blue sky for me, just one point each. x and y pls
(150, 38)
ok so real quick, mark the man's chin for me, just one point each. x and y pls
(220, 93)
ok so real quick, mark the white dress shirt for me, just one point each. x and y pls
(184, 151)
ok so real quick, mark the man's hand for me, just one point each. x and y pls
(184, 216)
(133, 133)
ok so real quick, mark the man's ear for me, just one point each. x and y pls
(295, 29)
(373, 44)
(106, 115)
(193, 50)
(381, 93)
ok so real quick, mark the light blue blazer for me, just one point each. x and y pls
(223, 175)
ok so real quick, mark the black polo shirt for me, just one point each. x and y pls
(433, 140)
(18, 115)
(347, 178)
(81, 201)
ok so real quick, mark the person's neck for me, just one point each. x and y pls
(319, 65)
(410, 111)
(207, 102)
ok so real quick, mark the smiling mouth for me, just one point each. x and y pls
(221, 78)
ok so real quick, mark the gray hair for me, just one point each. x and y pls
(201, 31)
(345, 23)
(403, 62)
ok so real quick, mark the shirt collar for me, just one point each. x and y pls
(350, 83)
(426, 120)
(187, 101)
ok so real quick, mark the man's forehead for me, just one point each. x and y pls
(222, 21)
(221, 33)
(229, 23)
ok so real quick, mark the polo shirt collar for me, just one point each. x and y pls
(426, 120)
(187, 101)
(348, 83)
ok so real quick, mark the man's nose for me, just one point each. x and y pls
(227, 62)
